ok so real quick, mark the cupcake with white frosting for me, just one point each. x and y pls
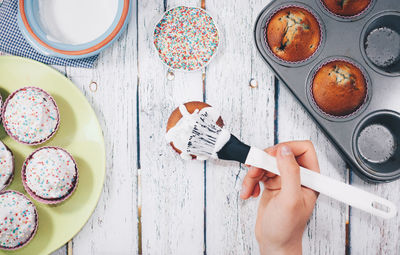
(30, 116)
(18, 220)
(6, 166)
(50, 175)
(180, 122)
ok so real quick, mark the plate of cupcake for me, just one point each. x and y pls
(52, 158)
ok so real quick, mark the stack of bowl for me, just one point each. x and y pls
(35, 17)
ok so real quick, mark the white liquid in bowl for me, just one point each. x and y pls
(76, 21)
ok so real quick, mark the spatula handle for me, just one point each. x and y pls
(330, 187)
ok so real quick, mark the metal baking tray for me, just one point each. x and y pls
(369, 139)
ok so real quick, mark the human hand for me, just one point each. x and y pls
(285, 206)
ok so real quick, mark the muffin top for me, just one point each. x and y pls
(30, 115)
(346, 7)
(6, 165)
(293, 34)
(18, 219)
(50, 173)
(339, 88)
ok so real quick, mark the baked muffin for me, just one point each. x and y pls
(30, 116)
(346, 8)
(187, 109)
(293, 34)
(339, 88)
(6, 166)
(18, 220)
(50, 175)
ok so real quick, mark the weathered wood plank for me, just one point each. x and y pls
(370, 234)
(172, 190)
(325, 233)
(248, 113)
(113, 226)
(61, 251)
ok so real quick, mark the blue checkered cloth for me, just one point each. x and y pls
(14, 43)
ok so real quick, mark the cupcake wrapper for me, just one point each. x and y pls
(34, 231)
(310, 86)
(321, 29)
(15, 138)
(347, 17)
(11, 178)
(38, 198)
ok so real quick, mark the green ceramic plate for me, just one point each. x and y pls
(79, 133)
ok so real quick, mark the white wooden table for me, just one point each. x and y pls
(153, 202)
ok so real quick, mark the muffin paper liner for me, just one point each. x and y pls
(310, 86)
(348, 17)
(38, 198)
(11, 178)
(34, 231)
(321, 29)
(15, 138)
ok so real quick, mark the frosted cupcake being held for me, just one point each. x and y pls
(30, 116)
(181, 123)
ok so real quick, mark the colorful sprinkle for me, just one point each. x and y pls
(6, 166)
(50, 173)
(186, 38)
(17, 219)
(30, 115)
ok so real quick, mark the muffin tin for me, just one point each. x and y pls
(369, 138)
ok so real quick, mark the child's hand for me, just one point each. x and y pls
(285, 205)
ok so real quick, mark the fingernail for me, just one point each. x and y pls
(286, 151)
